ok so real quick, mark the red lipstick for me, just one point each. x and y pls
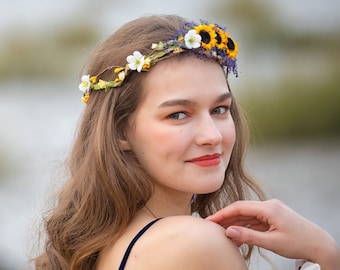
(206, 160)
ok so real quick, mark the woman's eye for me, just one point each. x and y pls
(220, 110)
(177, 115)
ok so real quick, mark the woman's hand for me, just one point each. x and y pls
(274, 226)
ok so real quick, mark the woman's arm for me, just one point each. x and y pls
(274, 226)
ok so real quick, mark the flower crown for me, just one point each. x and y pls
(205, 40)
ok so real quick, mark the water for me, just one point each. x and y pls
(38, 120)
(36, 128)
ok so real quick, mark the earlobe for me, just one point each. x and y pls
(124, 145)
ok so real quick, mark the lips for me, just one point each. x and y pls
(206, 160)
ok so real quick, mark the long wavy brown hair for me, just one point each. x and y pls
(106, 185)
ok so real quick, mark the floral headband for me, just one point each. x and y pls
(204, 40)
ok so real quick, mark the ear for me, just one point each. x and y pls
(124, 145)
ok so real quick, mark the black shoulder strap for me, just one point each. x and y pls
(134, 240)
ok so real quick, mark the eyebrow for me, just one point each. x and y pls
(186, 102)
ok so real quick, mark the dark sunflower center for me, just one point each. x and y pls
(231, 44)
(205, 36)
(218, 38)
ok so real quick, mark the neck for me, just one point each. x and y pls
(150, 212)
(161, 206)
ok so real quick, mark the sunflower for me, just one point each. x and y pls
(221, 38)
(208, 34)
(232, 48)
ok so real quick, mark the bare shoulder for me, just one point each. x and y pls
(185, 242)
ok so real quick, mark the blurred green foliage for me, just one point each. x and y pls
(298, 110)
(304, 101)
(46, 54)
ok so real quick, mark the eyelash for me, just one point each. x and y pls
(226, 109)
(172, 116)
(175, 115)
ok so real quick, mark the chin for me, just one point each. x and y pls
(212, 187)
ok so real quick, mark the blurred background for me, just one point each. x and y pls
(289, 80)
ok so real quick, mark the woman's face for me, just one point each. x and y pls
(183, 132)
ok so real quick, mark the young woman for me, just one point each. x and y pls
(161, 138)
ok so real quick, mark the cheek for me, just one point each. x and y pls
(156, 140)
(229, 134)
(167, 141)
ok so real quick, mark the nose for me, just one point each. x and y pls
(208, 132)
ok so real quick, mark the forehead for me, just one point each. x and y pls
(186, 76)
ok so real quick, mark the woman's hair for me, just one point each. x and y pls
(106, 185)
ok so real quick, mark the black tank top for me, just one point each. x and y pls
(132, 243)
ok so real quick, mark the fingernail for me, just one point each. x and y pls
(232, 233)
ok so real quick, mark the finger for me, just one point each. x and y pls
(245, 221)
(261, 210)
(257, 227)
(238, 220)
(229, 217)
(249, 236)
(274, 241)
(253, 223)
(237, 243)
(237, 209)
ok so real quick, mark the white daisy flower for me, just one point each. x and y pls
(135, 61)
(192, 40)
(85, 84)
